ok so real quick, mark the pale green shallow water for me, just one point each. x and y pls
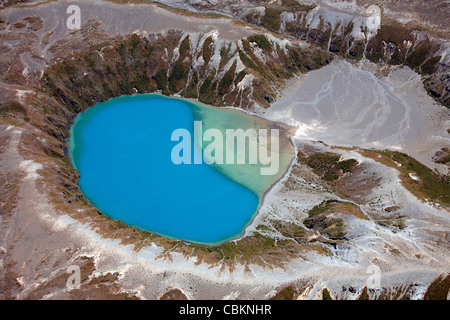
(246, 174)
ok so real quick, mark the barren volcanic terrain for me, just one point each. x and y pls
(360, 88)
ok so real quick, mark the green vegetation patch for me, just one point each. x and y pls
(308, 60)
(321, 208)
(327, 165)
(177, 74)
(288, 229)
(141, 82)
(161, 80)
(118, 224)
(284, 294)
(207, 92)
(227, 80)
(11, 109)
(429, 67)
(185, 48)
(438, 289)
(240, 76)
(326, 294)
(333, 228)
(321, 218)
(248, 62)
(207, 45)
(271, 19)
(433, 185)
(419, 55)
(398, 223)
(364, 294)
(393, 34)
(443, 156)
(357, 50)
(294, 5)
(191, 90)
(427, 184)
(261, 40)
(247, 248)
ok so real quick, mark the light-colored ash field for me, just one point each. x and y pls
(360, 91)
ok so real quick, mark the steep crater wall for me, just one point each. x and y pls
(355, 31)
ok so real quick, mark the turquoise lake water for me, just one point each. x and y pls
(122, 149)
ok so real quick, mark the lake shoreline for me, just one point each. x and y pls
(74, 153)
